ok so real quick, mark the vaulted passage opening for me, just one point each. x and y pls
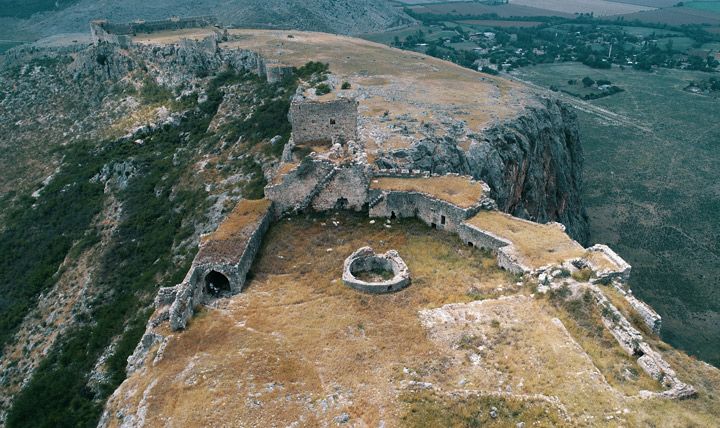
(216, 284)
(341, 204)
(392, 215)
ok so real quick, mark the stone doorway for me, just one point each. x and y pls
(217, 284)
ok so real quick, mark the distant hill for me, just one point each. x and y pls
(38, 18)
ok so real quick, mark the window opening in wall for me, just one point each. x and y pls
(442, 219)
(332, 121)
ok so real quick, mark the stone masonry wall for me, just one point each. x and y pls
(480, 238)
(348, 189)
(103, 28)
(190, 293)
(434, 212)
(323, 121)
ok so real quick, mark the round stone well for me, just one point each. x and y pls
(375, 273)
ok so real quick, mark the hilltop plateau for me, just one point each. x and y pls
(201, 201)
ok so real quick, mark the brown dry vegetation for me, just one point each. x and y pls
(454, 189)
(537, 244)
(299, 346)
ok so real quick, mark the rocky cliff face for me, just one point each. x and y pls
(533, 163)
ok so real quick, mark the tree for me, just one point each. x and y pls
(587, 81)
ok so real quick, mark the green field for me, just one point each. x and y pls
(431, 33)
(652, 192)
(710, 6)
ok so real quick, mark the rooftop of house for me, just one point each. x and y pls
(457, 190)
(536, 244)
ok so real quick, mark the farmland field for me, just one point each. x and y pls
(496, 23)
(468, 8)
(597, 7)
(649, 3)
(711, 6)
(652, 192)
(387, 37)
(675, 16)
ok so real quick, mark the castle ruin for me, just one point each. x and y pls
(323, 121)
(340, 177)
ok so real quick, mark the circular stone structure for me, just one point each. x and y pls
(365, 261)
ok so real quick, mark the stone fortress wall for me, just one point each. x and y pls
(121, 33)
(343, 179)
(315, 121)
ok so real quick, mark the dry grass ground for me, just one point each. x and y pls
(300, 347)
(456, 190)
(537, 244)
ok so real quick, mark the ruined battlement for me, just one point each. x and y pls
(103, 27)
(318, 121)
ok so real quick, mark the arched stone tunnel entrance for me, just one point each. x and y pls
(216, 284)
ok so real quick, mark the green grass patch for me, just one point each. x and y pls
(431, 409)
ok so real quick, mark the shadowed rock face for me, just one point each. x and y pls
(533, 163)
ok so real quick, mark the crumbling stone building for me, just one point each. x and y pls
(318, 121)
(104, 31)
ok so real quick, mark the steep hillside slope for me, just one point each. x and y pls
(343, 16)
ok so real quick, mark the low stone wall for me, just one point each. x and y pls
(650, 318)
(632, 341)
(503, 249)
(365, 260)
(477, 237)
(323, 121)
(620, 271)
(432, 211)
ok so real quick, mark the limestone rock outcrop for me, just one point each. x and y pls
(533, 163)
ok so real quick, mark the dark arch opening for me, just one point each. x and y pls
(392, 215)
(470, 244)
(341, 204)
(216, 284)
